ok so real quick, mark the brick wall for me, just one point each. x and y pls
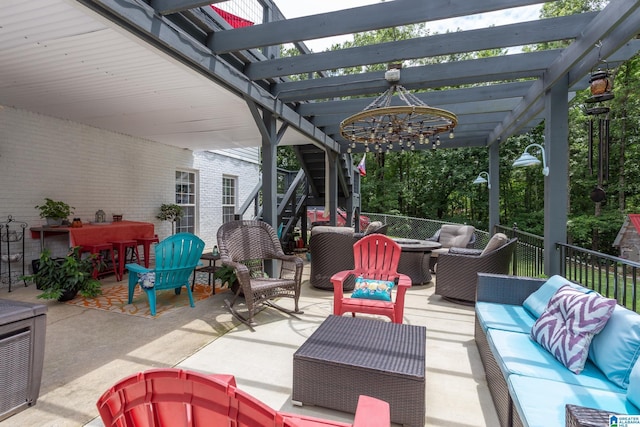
(93, 169)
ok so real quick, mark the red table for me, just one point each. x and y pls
(91, 234)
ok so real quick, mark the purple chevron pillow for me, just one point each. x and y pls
(567, 326)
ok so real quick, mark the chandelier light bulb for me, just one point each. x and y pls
(415, 121)
(451, 135)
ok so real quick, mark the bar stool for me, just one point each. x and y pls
(146, 245)
(99, 249)
(121, 246)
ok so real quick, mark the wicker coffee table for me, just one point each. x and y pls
(346, 357)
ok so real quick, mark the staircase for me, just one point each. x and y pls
(307, 188)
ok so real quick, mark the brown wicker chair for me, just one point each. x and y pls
(245, 245)
(331, 250)
(458, 270)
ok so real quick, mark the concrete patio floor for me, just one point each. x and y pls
(87, 350)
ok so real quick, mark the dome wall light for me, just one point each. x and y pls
(481, 180)
(527, 159)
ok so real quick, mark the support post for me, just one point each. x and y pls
(494, 192)
(556, 200)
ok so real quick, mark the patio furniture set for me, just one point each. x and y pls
(345, 362)
(556, 353)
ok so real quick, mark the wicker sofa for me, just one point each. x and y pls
(529, 386)
(458, 268)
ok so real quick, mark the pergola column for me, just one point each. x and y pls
(267, 125)
(331, 190)
(556, 185)
(494, 191)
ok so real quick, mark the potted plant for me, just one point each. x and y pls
(54, 211)
(227, 275)
(63, 278)
(170, 212)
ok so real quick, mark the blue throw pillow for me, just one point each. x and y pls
(616, 349)
(372, 289)
(536, 303)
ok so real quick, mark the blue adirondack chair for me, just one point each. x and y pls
(176, 258)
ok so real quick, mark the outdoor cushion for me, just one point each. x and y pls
(536, 303)
(541, 402)
(453, 235)
(517, 353)
(568, 325)
(633, 391)
(330, 229)
(615, 350)
(147, 280)
(506, 317)
(496, 241)
(372, 289)
(464, 251)
(373, 227)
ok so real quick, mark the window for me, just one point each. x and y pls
(186, 198)
(228, 198)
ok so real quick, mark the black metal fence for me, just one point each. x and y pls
(608, 275)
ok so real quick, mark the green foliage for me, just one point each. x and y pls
(170, 212)
(595, 232)
(226, 275)
(54, 209)
(56, 276)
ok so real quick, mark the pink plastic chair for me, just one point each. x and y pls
(376, 257)
(179, 398)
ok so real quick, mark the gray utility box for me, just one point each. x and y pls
(22, 331)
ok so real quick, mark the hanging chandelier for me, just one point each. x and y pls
(381, 126)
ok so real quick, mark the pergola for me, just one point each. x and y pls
(175, 72)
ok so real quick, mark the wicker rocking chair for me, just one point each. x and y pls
(245, 246)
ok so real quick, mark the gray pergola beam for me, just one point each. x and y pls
(354, 20)
(498, 68)
(562, 28)
(613, 27)
(433, 98)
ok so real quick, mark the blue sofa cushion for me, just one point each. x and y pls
(568, 325)
(633, 391)
(506, 317)
(517, 353)
(537, 302)
(541, 402)
(616, 349)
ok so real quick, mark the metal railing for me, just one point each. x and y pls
(608, 275)
(529, 254)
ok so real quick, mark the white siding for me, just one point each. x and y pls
(93, 169)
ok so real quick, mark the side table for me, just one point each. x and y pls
(209, 269)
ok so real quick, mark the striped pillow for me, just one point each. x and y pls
(567, 326)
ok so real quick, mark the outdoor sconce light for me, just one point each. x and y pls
(481, 180)
(527, 159)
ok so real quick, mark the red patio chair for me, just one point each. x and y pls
(376, 257)
(179, 398)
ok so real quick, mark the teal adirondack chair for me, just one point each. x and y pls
(176, 258)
